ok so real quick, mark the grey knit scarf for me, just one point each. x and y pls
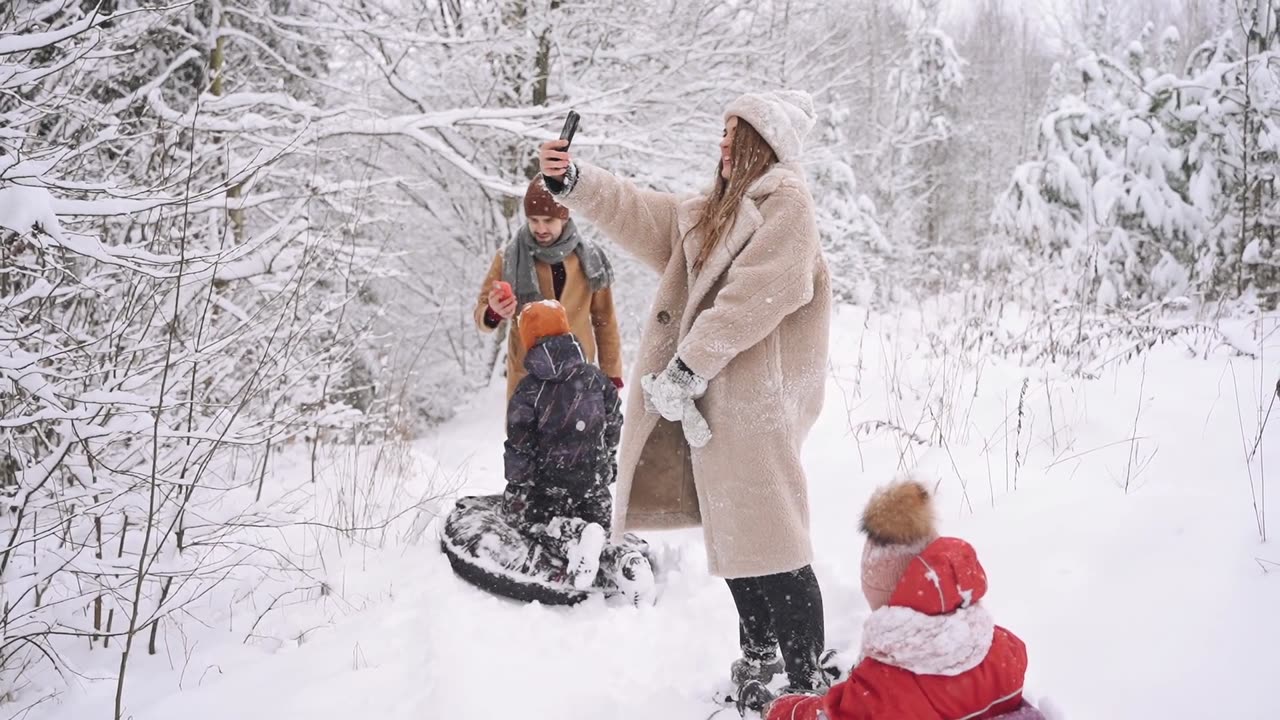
(518, 261)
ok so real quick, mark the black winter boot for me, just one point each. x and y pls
(754, 696)
(763, 671)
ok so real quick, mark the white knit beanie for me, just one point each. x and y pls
(783, 118)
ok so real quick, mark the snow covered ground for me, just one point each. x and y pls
(1118, 519)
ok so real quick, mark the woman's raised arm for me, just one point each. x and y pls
(643, 222)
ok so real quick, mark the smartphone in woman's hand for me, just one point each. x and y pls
(570, 127)
(553, 160)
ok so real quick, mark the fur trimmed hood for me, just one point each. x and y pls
(929, 644)
(942, 579)
(933, 624)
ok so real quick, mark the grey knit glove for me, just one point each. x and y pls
(696, 430)
(671, 393)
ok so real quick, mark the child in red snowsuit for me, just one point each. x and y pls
(930, 650)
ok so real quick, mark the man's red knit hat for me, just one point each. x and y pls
(537, 201)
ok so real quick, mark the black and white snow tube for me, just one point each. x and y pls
(486, 551)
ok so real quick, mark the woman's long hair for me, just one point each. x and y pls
(749, 157)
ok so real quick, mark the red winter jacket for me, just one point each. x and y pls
(932, 653)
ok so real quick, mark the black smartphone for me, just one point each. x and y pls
(570, 127)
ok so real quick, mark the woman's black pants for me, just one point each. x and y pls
(782, 611)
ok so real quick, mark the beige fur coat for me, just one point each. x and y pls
(754, 322)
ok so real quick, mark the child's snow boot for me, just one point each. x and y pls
(829, 665)
(635, 579)
(582, 553)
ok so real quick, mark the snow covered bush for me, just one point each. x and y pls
(175, 299)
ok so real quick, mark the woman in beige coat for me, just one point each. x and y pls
(732, 366)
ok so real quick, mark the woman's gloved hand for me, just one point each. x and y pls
(671, 393)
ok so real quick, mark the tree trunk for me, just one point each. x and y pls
(451, 14)
(873, 85)
(217, 63)
(1262, 31)
(542, 72)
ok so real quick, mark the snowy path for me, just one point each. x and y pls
(1145, 604)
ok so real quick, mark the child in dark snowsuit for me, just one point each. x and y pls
(563, 425)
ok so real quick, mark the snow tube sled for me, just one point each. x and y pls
(486, 550)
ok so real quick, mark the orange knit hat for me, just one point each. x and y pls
(542, 319)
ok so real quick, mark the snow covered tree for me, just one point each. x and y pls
(856, 249)
(1101, 199)
(924, 83)
(1150, 185)
(994, 126)
(1235, 155)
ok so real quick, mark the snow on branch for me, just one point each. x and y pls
(27, 42)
